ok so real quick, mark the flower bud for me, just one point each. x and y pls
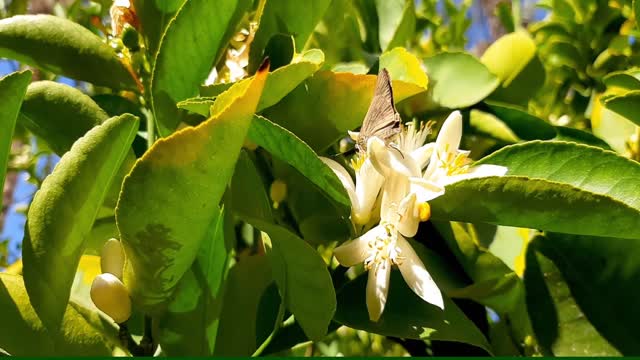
(111, 296)
(278, 192)
(112, 258)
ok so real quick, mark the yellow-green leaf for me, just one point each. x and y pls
(171, 196)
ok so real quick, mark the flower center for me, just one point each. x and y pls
(357, 161)
(454, 163)
(383, 250)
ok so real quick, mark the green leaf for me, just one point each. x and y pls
(290, 149)
(59, 114)
(75, 190)
(625, 105)
(247, 281)
(584, 167)
(490, 125)
(154, 15)
(611, 127)
(23, 334)
(173, 81)
(321, 109)
(62, 47)
(523, 124)
(458, 80)
(601, 273)
(12, 91)
(499, 59)
(180, 180)
(565, 133)
(191, 324)
(624, 80)
(302, 277)
(247, 192)
(406, 315)
(294, 18)
(396, 22)
(279, 83)
(636, 12)
(495, 284)
(550, 206)
(560, 327)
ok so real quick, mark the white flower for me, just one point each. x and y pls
(364, 192)
(448, 164)
(385, 245)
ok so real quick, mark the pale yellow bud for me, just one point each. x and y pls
(112, 258)
(111, 296)
(278, 192)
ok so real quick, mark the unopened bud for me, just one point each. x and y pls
(424, 211)
(111, 296)
(112, 258)
(278, 192)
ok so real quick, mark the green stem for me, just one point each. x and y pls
(151, 129)
(276, 327)
(515, 14)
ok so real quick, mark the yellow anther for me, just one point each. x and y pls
(357, 161)
(424, 211)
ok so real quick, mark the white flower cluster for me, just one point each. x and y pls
(395, 182)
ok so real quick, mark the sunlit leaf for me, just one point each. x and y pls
(12, 91)
(62, 47)
(180, 180)
(172, 79)
(24, 334)
(75, 190)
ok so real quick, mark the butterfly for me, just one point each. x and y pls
(382, 119)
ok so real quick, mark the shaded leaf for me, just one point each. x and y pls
(191, 324)
(424, 321)
(295, 18)
(302, 277)
(558, 323)
(601, 273)
(290, 149)
(154, 16)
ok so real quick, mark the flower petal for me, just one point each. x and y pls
(377, 289)
(478, 171)
(425, 190)
(409, 221)
(416, 276)
(368, 184)
(356, 251)
(388, 159)
(422, 155)
(448, 141)
(354, 135)
(343, 176)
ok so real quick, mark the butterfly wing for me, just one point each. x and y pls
(382, 119)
